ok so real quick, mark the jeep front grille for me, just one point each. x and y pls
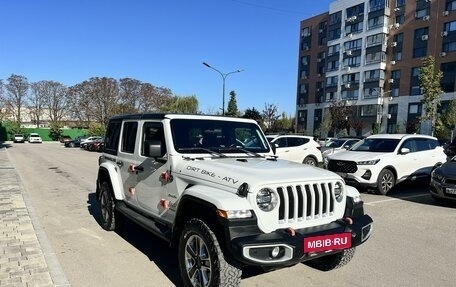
(305, 202)
(342, 166)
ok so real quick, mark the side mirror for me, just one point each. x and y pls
(404, 150)
(346, 146)
(153, 148)
(273, 147)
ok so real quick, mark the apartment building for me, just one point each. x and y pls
(366, 54)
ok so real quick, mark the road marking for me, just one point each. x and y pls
(394, 199)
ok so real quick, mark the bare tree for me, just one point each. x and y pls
(154, 99)
(36, 99)
(130, 94)
(16, 93)
(270, 115)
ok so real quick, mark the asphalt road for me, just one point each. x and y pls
(413, 242)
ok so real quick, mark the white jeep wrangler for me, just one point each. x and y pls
(212, 187)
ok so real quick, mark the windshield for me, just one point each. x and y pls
(336, 143)
(376, 145)
(190, 136)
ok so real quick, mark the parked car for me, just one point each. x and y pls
(381, 161)
(297, 148)
(88, 140)
(443, 181)
(95, 145)
(64, 139)
(74, 143)
(34, 138)
(337, 145)
(18, 138)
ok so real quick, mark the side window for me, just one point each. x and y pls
(281, 142)
(129, 137)
(410, 144)
(152, 134)
(422, 144)
(433, 143)
(112, 137)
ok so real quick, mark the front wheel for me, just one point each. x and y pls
(385, 182)
(334, 261)
(201, 259)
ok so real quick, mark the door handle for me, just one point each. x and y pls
(139, 168)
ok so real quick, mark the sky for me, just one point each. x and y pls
(163, 43)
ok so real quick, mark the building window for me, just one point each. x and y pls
(351, 78)
(370, 93)
(400, 3)
(419, 52)
(399, 38)
(375, 40)
(330, 96)
(414, 109)
(400, 19)
(375, 5)
(350, 94)
(396, 74)
(355, 10)
(352, 62)
(374, 75)
(368, 110)
(333, 66)
(397, 56)
(415, 72)
(415, 91)
(450, 6)
(419, 33)
(376, 22)
(375, 58)
(305, 32)
(303, 74)
(331, 81)
(354, 28)
(421, 13)
(449, 47)
(333, 50)
(449, 26)
(335, 18)
(303, 88)
(353, 45)
(334, 34)
(305, 60)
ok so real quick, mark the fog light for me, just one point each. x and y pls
(367, 174)
(275, 252)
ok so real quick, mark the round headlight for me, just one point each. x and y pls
(339, 191)
(266, 199)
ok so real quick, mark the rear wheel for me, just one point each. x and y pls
(310, 161)
(107, 207)
(201, 259)
(385, 182)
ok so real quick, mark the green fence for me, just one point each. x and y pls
(43, 132)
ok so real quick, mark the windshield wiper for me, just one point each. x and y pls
(242, 150)
(209, 151)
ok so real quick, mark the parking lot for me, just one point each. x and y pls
(413, 242)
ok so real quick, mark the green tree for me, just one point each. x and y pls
(185, 105)
(326, 123)
(429, 78)
(96, 129)
(232, 110)
(449, 117)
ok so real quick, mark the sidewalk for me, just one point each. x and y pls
(26, 258)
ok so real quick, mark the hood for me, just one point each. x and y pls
(232, 172)
(448, 169)
(357, 155)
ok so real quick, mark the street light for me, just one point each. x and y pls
(224, 75)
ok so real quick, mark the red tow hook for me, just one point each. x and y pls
(348, 220)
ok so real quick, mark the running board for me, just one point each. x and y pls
(148, 223)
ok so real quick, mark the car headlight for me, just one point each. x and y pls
(266, 199)
(368, 162)
(339, 191)
(437, 176)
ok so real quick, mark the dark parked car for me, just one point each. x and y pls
(64, 139)
(74, 143)
(443, 181)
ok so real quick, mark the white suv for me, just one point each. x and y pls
(381, 161)
(301, 149)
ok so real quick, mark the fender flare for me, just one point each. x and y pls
(113, 173)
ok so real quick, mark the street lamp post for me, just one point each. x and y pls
(224, 75)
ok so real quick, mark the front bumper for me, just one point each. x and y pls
(286, 247)
(439, 190)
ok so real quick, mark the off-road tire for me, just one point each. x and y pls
(333, 261)
(385, 182)
(309, 161)
(108, 219)
(201, 259)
